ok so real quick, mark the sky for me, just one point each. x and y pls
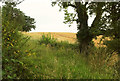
(47, 18)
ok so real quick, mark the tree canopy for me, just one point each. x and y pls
(82, 12)
(114, 33)
(26, 23)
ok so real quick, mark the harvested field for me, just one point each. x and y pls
(63, 36)
(60, 36)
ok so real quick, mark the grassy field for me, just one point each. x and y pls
(62, 60)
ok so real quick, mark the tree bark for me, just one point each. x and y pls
(83, 35)
(84, 39)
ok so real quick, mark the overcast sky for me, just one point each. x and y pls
(48, 18)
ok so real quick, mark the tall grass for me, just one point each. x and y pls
(103, 60)
(58, 60)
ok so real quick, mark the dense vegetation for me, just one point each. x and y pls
(47, 58)
(25, 23)
(60, 61)
(107, 20)
(13, 42)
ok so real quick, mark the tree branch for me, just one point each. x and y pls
(98, 15)
(86, 3)
(71, 5)
(20, 2)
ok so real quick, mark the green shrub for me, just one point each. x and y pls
(12, 48)
(12, 51)
(49, 40)
(113, 45)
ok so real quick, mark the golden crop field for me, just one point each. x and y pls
(62, 36)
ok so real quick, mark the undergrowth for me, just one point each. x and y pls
(59, 60)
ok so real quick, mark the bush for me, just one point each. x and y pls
(113, 45)
(47, 40)
(12, 49)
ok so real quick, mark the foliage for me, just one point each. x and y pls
(12, 46)
(26, 23)
(106, 22)
(115, 28)
(47, 39)
(114, 33)
(82, 12)
(49, 59)
(80, 16)
(113, 44)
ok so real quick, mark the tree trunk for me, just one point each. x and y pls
(84, 39)
(84, 47)
(83, 35)
(84, 44)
